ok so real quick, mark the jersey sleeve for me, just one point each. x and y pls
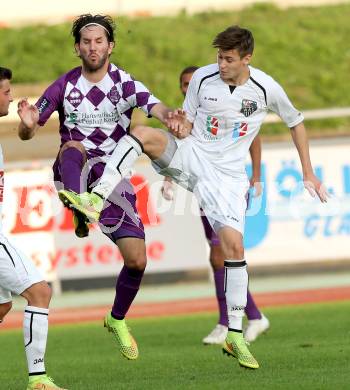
(279, 103)
(137, 95)
(50, 101)
(191, 102)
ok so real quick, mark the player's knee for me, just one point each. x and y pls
(140, 132)
(45, 294)
(136, 262)
(4, 309)
(39, 295)
(73, 144)
(235, 251)
(238, 250)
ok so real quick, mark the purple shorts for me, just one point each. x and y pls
(213, 239)
(211, 236)
(120, 218)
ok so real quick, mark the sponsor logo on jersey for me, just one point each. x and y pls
(74, 95)
(212, 125)
(239, 130)
(212, 99)
(72, 118)
(248, 107)
(44, 104)
(96, 119)
(232, 218)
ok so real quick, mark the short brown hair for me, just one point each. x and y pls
(5, 74)
(235, 38)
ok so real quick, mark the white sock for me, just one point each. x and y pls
(127, 151)
(35, 328)
(236, 286)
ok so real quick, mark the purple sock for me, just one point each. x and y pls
(71, 164)
(219, 277)
(128, 285)
(251, 310)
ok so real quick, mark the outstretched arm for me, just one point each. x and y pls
(174, 120)
(161, 112)
(29, 115)
(311, 182)
(255, 154)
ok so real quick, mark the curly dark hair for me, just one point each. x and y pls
(103, 20)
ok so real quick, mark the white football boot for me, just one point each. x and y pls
(216, 336)
(254, 328)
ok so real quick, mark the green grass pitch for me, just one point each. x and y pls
(307, 347)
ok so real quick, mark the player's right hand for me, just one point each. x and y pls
(177, 123)
(28, 113)
(256, 184)
(167, 189)
(315, 187)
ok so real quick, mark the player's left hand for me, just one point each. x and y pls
(257, 185)
(315, 187)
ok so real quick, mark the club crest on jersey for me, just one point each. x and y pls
(248, 107)
(239, 130)
(212, 125)
(113, 95)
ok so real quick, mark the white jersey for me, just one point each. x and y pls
(226, 119)
(1, 185)
(17, 271)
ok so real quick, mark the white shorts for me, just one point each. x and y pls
(17, 271)
(223, 198)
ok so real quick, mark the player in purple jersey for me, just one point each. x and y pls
(257, 322)
(95, 102)
(18, 275)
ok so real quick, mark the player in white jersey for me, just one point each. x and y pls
(19, 276)
(224, 107)
(257, 323)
